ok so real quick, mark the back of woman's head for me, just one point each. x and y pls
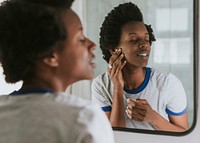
(52, 3)
(29, 30)
(110, 31)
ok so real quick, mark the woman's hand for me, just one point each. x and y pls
(116, 64)
(140, 110)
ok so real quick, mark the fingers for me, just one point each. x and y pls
(114, 56)
(134, 109)
(137, 109)
(116, 63)
(131, 103)
(143, 101)
(138, 103)
(134, 115)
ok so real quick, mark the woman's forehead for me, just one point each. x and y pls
(71, 20)
(134, 27)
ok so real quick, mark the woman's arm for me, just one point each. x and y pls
(117, 114)
(140, 110)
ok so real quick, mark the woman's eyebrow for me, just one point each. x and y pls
(133, 33)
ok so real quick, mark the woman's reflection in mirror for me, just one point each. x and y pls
(132, 94)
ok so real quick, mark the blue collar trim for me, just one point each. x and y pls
(143, 85)
(37, 91)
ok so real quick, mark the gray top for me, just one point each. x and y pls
(52, 118)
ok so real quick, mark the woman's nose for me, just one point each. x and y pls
(142, 44)
(91, 45)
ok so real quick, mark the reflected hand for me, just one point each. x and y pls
(140, 110)
(114, 71)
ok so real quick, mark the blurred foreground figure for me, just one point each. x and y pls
(42, 44)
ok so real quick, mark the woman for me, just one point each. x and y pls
(131, 94)
(42, 43)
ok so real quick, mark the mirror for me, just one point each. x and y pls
(173, 51)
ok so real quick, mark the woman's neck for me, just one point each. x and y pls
(35, 84)
(133, 78)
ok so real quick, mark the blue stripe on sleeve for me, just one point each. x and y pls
(175, 114)
(106, 108)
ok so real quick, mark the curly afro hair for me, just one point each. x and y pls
(110, 31)
(29, 29)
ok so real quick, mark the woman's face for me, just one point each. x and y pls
(76, 58)
(134, 43)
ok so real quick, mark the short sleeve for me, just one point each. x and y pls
(94, 126)
(176, 97)
(101, 93)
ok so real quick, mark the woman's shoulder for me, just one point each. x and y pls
(163, 75)
(71, 100)
(103, 78)
(85, 116)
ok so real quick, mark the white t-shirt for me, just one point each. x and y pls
(163, 91)
(52, 118)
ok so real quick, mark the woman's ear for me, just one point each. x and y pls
(51, 60)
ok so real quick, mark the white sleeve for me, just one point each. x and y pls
(101, 93)
(94, 126)
(176, 99)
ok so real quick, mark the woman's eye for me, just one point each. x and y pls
(133, 40)
(82, 40)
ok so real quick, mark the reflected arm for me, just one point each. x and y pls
(140, 110)
(117, 114)
(176, 124)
